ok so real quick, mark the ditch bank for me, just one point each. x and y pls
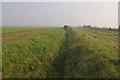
(65, 48)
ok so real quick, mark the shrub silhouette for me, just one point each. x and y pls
(87, 26)
(66, 27)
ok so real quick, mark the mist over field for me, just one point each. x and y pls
(60, 40)
(101, 14)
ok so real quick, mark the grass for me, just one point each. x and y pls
(18, 29)
(59, 53)
(32, 54)
(0, 64)
(94, 56)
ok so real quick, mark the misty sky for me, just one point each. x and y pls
(102, 14)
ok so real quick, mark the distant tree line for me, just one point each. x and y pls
(85, 26)
(107, 28)
(67, 27)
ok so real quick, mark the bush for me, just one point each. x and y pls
(87, 26)
(66, 27)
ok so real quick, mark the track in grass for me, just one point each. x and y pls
(65, 49)
(77, 57)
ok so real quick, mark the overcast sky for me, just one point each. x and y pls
(59, 13)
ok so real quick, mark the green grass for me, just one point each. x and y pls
(56, 53)
(94, 56)
(31, 55)
(0, 65)
(18, 29)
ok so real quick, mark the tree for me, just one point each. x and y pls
(110, 28)
(84, 26)
(87, 26)
(66, 27)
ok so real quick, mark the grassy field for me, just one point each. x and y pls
(58, 53)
